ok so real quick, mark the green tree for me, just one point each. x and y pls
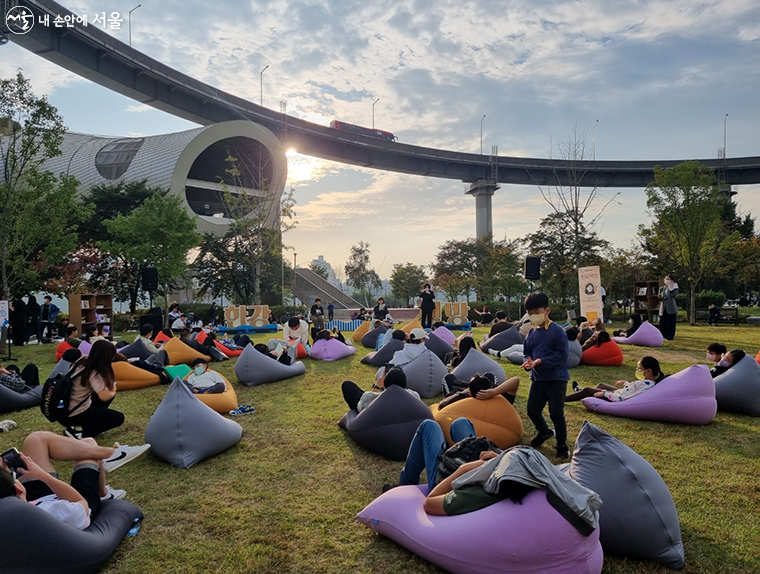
(685, 205)
(359, 273)
(407, 281)
(320, 270)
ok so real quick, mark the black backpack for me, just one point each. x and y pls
(466, 450)
(55, 397)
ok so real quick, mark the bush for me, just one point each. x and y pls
(281, 311)
(704, 299)
(512, 310)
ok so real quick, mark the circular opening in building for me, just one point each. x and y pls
(113, 159)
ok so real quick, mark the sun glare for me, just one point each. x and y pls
(303, 168)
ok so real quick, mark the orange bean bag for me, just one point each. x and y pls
(494, 418)
(220, 402)
(605, 355)
(413, 324)
(757, 357)
(180, 353)
(362, 330)
(130, 377)
(62, 347)
(201, 337)
(161, 338)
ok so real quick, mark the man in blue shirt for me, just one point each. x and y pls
(545, 353)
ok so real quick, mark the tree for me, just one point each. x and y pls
(320, 270)
(407, 281)
(685, 204)
(620, 269)
(73, 274)
(359, 273)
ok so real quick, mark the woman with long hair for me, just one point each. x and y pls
(648, 374)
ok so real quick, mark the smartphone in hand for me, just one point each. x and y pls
(12, 460)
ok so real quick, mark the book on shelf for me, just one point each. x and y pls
(106, 330)
(85, 304)
(642, 291)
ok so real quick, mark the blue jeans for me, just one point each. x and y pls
(427, 445)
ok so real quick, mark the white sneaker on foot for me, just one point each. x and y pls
(113, 494)
(122, 455)
(493, 352)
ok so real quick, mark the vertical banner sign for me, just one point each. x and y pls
(590, 287)
(3, 312)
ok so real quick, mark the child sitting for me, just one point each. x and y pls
(648, 368)
(202, 381)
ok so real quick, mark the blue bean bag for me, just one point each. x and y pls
(330, 350)
(12, 401)
(35, 541)
(738, 389)
(384, 355)
(388, 424)
(254, 368)
(424, 374)
(647, 335)
(183, 431)
(136, 350)
(574, 353)
(638, 518)
(503, 340)
(440, 347)
(477, 362)
(370, 339)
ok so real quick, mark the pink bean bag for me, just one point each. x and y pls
(647, 335)
(202, 336)
(605, 355)
(445, 334)
(687, 397)
(504, 538)
(330, 350)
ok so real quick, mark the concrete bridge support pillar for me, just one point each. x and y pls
(483, 190)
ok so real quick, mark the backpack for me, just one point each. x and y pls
(55, 396)
(466, 450)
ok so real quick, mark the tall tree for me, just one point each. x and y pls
(685, 205)
(407, 281)
(320, 270)
(359, 273)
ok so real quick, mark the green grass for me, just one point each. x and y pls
(283, 500)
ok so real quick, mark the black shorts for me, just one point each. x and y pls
(85, 480)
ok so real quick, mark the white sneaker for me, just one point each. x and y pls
(113, 494)
(7, 425)
(493, 352)
(122, 455)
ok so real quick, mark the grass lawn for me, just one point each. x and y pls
(283, 500)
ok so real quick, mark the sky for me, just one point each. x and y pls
(659, 76)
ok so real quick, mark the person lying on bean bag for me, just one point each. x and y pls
(648, 373)
(281, 351)
(202, 381)
(724, 360)
(359, 400)
(480, 387)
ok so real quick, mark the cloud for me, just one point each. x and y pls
(140, 108)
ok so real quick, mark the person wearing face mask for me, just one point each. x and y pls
(202, 381)
(634, 322)
(648, 374)
(545, 351)
(668, 308)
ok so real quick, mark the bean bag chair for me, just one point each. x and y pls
(36, 541)
(388, 424)
(221, 402)
(504, 538)
(647, 335)
(161, 338)
(64, 365)
(503, 340)
(384, 355)
(130, 377)
(477, 362)
(757, 357)
(638, 518)
(202, 336)
(136, 350)
(445, 334)
(62, 347)
(183, 431)
(330, 350)
(687, 397)
(180, 371)
(254, 368)
(605, 355)
(494, 418)
(738, 389)
(362, 330)
(413, 324)
(370, 339)
(574, 354)
(180, 353)
(12, 401)
(85, 347)
(424, 374)
(440, 347)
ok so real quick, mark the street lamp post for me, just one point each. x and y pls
(725, 119)
(593, 140)
(130, 22)
(261, 85)
(373, 112)
(481, 134)
(295, 255)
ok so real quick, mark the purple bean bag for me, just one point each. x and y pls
(687, 397)
(503, 340)
(424, 374)
(330, 350)
(444, 334)
(85, 347)
(504, 538)
(477, 362)
(647, 335)
(440, 347)
(370, 339)
(738, 389)
(384, 355)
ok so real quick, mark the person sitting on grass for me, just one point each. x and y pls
(75, 504)
(202, 381)
(649, 371)
(357, 399)
(481, 387)
(634, 322)
(716, 353)
(296, 329)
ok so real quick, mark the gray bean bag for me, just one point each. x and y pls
(440, 347)
(183, 431)
(384, 355)
(738, 389)
(425, 373)
(254, 368)
(574, 353)
(136, 350)
(370, 339)
(388, 424)
(503, 340)
(477, 362)
(35, 541)
(638, 517)
(13, 401)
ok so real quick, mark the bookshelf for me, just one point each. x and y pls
(645, 300)
(87, 310)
